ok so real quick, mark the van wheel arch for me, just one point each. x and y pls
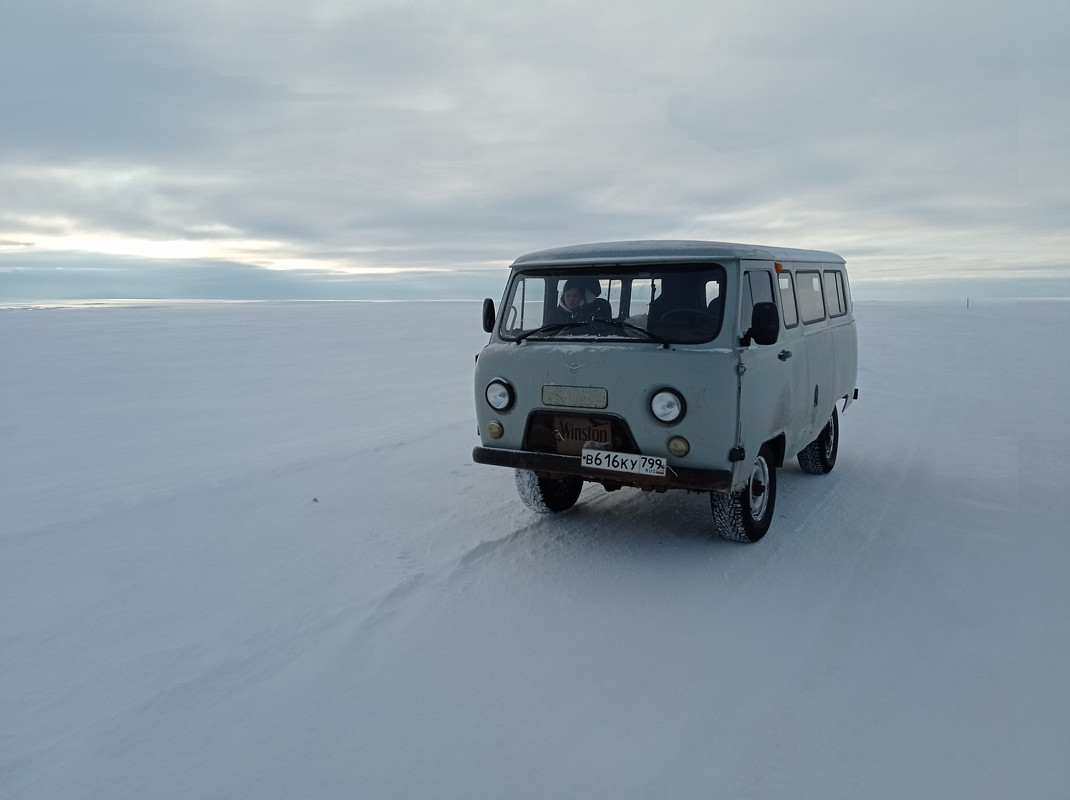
(819, 457)
(744, 515)
(778, 445)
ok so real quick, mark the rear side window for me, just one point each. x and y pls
(834, 293)
(787, 300)
(811, 298)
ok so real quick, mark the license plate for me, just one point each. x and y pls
(623, 462)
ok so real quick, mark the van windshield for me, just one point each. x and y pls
(662, 303)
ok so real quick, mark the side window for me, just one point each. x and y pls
(611, 291)
(757, 288)
(811, 298)
(834, 293)
(525, 310)
(643, 291)
(713, 291)
(787, 300)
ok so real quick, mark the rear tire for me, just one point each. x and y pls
(547, 495)
(745, 515)
(819, 457)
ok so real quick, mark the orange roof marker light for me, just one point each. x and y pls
(778, 265)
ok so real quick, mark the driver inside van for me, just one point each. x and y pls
(580, 302)
(570, 306)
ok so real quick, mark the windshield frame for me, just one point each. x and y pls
(632, 301)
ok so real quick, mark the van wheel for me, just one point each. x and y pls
(547, 495)
(744, 515)
(819, 457)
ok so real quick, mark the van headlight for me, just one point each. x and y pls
(500, 395)
(667, 405)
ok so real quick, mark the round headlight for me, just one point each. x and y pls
(667, 406)
(499, 394)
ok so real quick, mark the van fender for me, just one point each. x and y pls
(778, 444)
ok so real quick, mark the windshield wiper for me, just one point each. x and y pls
(627, 326)
(557, 327)
(554, 327)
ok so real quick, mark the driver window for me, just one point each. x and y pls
(526, 309)
(757, 288)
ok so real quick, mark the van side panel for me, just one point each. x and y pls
(820, 355)
(825, 349)
(793, 347)
(847, 350)
(766, 391)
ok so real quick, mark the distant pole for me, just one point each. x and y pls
(967, 304)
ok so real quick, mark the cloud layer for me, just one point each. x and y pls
(345, 139)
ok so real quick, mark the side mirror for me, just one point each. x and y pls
(764, 325)
(488, 315)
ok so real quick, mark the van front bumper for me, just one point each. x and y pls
(694, 480)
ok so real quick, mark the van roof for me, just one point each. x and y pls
(667, 250)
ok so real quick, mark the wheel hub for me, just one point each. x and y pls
(758, 480)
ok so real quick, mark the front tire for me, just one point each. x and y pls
(745, 515)
(819, 457)
(547, 495)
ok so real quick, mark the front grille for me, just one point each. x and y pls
(567, 433)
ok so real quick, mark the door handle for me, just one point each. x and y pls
(784, 355)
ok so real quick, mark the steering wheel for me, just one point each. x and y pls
(686, 318)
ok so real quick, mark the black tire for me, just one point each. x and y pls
(745, 515)
(547, 495)
(819, 457)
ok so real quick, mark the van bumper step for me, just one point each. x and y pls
(695, 480)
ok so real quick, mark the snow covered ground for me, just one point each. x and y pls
(244, 553)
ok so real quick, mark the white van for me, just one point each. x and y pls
(667, 365)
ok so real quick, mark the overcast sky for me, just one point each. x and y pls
(250, 148)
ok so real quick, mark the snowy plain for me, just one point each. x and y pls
(244, 553)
